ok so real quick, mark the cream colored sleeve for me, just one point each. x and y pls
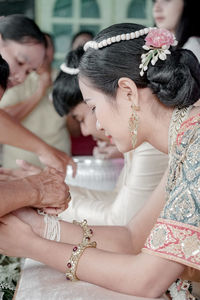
(10, 97)
(144, 168)
(20, 92)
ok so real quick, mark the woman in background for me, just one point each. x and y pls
(29, 103)
(182, 18)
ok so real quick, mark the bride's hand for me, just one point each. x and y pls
(31, 217)
(14, 236)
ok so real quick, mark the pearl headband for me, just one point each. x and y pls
(157, 44)
(66, 69)
(115, 39)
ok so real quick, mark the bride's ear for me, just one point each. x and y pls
(128, 89)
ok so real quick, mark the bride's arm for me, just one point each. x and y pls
(142, 223)
(114, 268)
(140, 275)
(122, 239)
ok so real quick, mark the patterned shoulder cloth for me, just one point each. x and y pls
(176, 235)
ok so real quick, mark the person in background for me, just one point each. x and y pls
(81, 145)
(80, 38)
(182, 18)
(29, 103)
(102, 149)
(23, 46)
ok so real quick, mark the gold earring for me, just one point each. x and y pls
(133, 124)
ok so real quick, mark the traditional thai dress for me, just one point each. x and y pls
(176, 234)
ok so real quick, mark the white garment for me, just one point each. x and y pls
(142, 172)
(193, 44)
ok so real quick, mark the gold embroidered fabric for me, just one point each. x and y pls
(175, 241)
(176, 235)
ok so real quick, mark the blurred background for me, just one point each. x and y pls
(64, 18)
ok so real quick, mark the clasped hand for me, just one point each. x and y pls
(50, 191)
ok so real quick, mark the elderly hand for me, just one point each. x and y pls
(52, 192)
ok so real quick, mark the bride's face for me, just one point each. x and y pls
(112, 115)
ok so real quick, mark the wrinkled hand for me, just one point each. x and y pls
(26, 169)
(15, 236)
(56, 159)
(52, 191)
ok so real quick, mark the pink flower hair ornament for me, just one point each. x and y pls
(158, 42)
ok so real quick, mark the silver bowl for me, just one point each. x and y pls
(94, 173)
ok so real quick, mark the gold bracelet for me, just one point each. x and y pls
(74, 259)
(87, 232)
(78, 250)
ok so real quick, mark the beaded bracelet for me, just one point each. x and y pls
(78, 250)
(87, 232)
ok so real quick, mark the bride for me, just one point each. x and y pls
(141, 89)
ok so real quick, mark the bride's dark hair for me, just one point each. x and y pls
(175, 81)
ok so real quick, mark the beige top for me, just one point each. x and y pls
(44, 121)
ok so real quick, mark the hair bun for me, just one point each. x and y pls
(176, 80)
